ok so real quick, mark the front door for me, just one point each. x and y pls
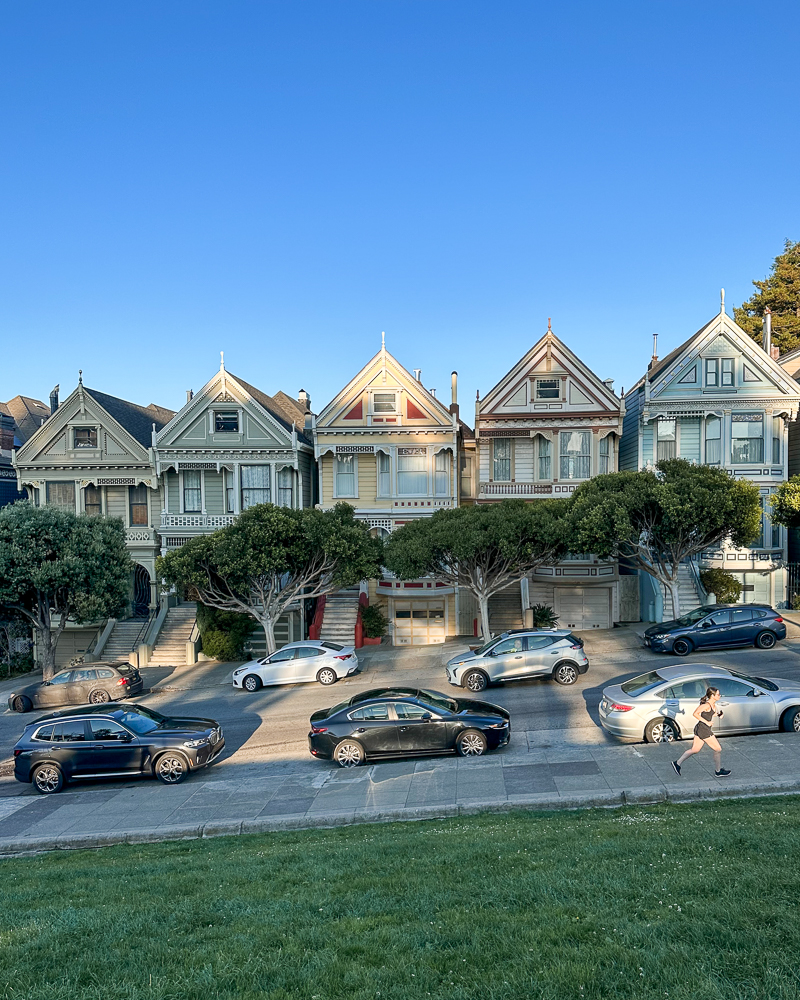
(507, 659)
(418, 733)
(141, 592)
(681, 700)
(56, 692)
(741, 709)
(375, 729)
(70, 749)
(280, 668)
(112, 748)
(713, 631)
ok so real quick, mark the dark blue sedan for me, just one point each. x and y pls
(718, 625)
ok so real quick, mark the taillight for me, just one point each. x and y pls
(17, 752)
(576, 647)
(613, 706)
(779, 619)
(123, 680)
(319, 729)
(345, 657)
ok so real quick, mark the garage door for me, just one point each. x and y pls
(755, 589)
(418, 623)
(583, 607)
(73, 642)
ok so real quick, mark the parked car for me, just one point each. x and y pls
(658, 706)
(519, 655)
(98, 741)
(718, 625)
(400, 722)
(92, 683)
(298, 662)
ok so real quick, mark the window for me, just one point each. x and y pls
(255, 485)
(689, 690)
(61, 495)
(384, 474)
(191, 492)
(281, 655)
(727, 371)
(335, 646)
(548, 388)
(63, 678)
(545, 458)
(712, 372)
(384, 402)
(605, 455)
(105, 674)
(442, 473)
(345, 476)
(729, 688)
(285, 488)
(667, 432)
(138, 501)
(465, 462)
(501, 461)
(508, 646)
(69, 732)
(713, 440)
(304, 652)
(747, 437)
(226, 422)
(104, 729)
(777, 437)
(740, 615)
(720, 618)
(91, 500)
(406, 711)
(540, 641)
(374, 712)
(83, 676)
(758, 543)
(230, 492)
(775, 535)
(84, 437)
(412, 471)
(45, 734)
(575, 454)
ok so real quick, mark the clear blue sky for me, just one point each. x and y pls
(283, 181)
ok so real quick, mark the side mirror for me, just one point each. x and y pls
(126, 738)
(426, 717)
(705, 624)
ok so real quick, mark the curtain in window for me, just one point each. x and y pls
(191, 492)
(442, 473)
(285, 488)
(345, 476)
(229, 491)
(412, 472)
(713, 440)
(545, 458)
(747, 437)
(138, 501)
(61, 495)
(384, 475)
(255, 485)
(576, 455)
(91, 500)
(501, 471)
(605, 455)
(666, 429)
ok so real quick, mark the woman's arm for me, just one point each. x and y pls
(697, 712)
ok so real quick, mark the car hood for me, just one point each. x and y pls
(461, 658)
(468, 706)
(190, 726)
(29, 689)
(664, 627)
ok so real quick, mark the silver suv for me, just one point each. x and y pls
(518, 655)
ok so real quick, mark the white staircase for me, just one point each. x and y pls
(339, 618)
(688, 598)
(120, 643)
(170, 647)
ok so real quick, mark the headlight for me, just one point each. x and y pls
(241, 670)
(659, 635)
(196, 743)
(498, 725)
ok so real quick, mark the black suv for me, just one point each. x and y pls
(105, 741)
(718, 625)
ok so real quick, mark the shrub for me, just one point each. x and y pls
(374, 621)
(726, 588)
(223, 632)
(544, 616)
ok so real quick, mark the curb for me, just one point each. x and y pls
(545, 801)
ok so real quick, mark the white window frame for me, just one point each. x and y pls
(549, 388)
(336, 494)
(706, 438)
(762, 422)
(446, 456)
(384, 392)
(384, 486)
(510, 460)
(564, 456)
(608, 457)
(722, 372)
(183, 491)
(427, 472)
(270, 467)
(538, 457)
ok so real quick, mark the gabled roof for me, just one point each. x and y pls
(282, 413)
(27, 414)
(137, 420)
(291, 407)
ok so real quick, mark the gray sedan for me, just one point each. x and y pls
(658, 706)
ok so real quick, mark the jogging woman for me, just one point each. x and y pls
(703, 733)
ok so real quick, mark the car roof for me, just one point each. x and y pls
(392, 693)
(532, 631)
(687, 669)
(67, 713)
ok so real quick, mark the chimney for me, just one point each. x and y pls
(774, 353)
(304, 400)
(418, 374)
(189, 395)
(454, 393)
(655, 350)
(609, 384)
(54, 400)
(432, 392)
(767, 323)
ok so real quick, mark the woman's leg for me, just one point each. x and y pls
(713, 742)
(696, 747)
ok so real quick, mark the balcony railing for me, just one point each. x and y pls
(143, 534)
(515, 489)
(209, 522)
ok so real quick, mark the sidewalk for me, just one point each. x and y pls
(233, 798)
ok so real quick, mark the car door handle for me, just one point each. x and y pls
(404, 729)
(517, 657)
(362, 730)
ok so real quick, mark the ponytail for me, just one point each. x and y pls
(707, 695)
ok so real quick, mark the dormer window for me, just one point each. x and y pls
(548, 388)
(84, 437)
(712, 372)
(226, 422)
(727, 371)
(384, 402)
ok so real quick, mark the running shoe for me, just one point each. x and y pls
(723, 771)
(676, 768)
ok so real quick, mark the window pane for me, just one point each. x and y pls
(547, 388)
(384, 475)
(91, 500)
(713, 440)
(406, 711)
(84, 437)
(226, 421)
(383, 402)
(666, 432)
(229, 491)
(68, 732)
(255, 485)
(545, 453)
(727, 371)
(61, 495)
(285, 488)
(191, 491)
(747, 437)
(412, 473)
(502, 460)
(777, 436)
(741, 615)
(138, 501)
(605, 455)
(711, 372)
(345, 476)
(575, 454)
(442, 475)
(104, 729)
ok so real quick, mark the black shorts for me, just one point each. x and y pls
(703, 731)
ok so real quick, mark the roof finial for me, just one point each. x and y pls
(80, 376)
(222, 361)
(383, 341)
(549, 330)
(722, 300)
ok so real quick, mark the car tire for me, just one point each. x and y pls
(349, 753)
(171, 768)
(661, 731)
(327, 676)
(566, 674)
(681, 647)
(475, 681)
(47, 779)
(790, 722)
(765, 640)
(471, 743)
(99, 697)
(21, 704)
(251, 683)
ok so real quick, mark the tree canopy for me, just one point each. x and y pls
(55, 564)
(780, 292)
(272, 557)
(785, 503)
(483, 547)
(655, 520)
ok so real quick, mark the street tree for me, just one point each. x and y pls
(58, 567)
(272, 557)
(653, 521)
(785, 503)
(482, 547)
(780, 293)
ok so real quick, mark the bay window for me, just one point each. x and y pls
(256, 487)
(545, 458)
(412, 471)
(441, 473)
(91, 501)
(605, 455)
(384, 474)
(285, 487)
(229, 491)
(747, 437)
(713, 440)
(666, 439)
(576, 454)
(345, 475)
(192, 496)
(501, 460)
(61, 495)
(137, 496)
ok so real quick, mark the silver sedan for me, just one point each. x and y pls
(658, 706)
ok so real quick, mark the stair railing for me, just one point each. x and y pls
(694, 571)
(140, 635)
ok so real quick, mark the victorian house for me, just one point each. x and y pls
(547, 426)
(386, 445)
(719, 399)
(19, 418)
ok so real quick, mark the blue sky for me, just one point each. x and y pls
(283, 181)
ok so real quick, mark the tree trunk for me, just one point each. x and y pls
(269, 633)
(483, 603)
(48, 646)
(672, 586)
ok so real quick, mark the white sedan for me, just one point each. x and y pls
(298, 662)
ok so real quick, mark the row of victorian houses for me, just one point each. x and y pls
(396, 452)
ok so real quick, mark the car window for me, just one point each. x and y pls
(641, 683)
(730, 688)
(82, 676)
(306, 651)
(69, 732)
(689, 690)
(540, 641)
(332, 645)
(759, 614)
(62, 678)
(140, 720)
(281, 655)
(513, 645)
(370, 712)
(104, 729)
(761, 682)
(438, 701)
(720, 618)
(45, 734)
(104, 674)
(741, 615)
(406, 711)
(692, 616)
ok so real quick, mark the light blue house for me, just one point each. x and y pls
(720, 399)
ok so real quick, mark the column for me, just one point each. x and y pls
(77, 496)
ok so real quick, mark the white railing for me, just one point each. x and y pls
(515, 489)
(140, 535)
(211, 521)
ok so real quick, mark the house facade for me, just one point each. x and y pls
(19, 418)
(718, 399)
(547, 426)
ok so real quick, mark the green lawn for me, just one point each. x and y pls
(695, 902)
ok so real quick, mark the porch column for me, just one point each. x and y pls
(77, 496)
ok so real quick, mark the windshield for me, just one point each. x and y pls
(438, 701)
(758, 681)
(337, 708)
(140, 720)
(642, 683)
(485, 647)
(694, 616)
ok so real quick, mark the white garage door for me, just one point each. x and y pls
(755, 588)
(418, 623)
(583, 607)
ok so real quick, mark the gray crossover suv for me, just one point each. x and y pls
(519, 655)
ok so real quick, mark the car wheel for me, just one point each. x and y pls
(99, 697)
(327, 676)
(765, 640)
(661, 731)
(471, 743)
(349, 753)
(681, 647)
(171, 768)
(475, 681)
(790, 723)
(565, 673)
(22, 704)
(48, 779)
(251, 683)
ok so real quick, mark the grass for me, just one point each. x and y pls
(673, 902)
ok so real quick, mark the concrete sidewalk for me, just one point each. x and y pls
(233, 798)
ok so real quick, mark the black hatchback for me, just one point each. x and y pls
(718, 625)
(120, 741)
(399, 722)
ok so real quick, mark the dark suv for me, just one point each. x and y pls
(718, 625)
(123, 741)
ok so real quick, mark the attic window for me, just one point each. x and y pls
(384, 402)
(226, 422)
(84, 437)
(547, 388)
